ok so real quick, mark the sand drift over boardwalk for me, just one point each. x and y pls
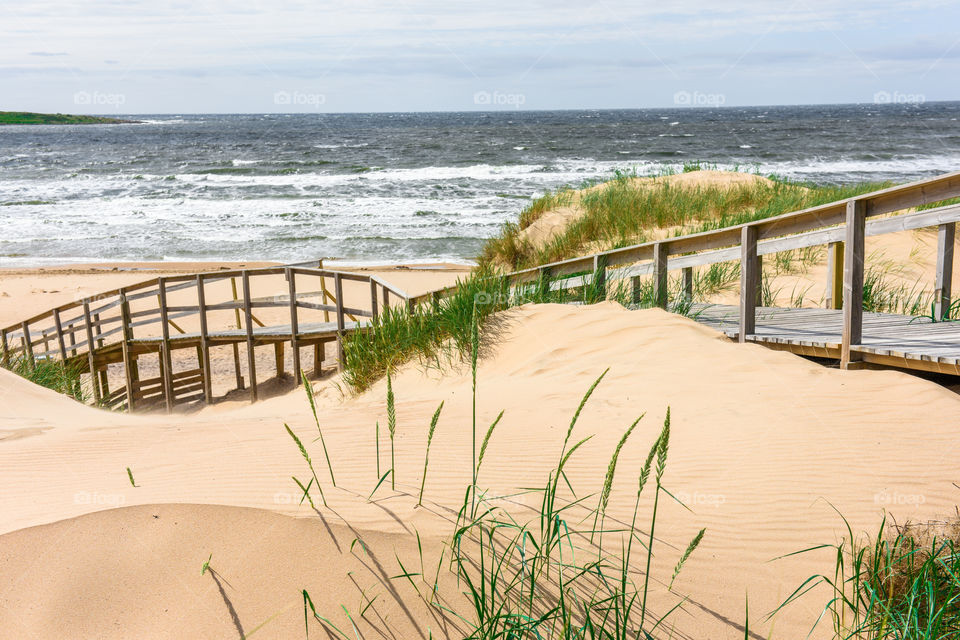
(761, 441)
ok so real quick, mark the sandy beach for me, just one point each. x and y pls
(766, 449)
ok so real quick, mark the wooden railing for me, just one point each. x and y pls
(198, 310)
(842, 225)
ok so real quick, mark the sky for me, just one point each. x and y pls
(285, 56)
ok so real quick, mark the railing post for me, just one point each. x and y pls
(944, 283)
(166, 360)
(323, 288)
(600, 276)
(248, 325)
(204, 342)
(4, 349)
(660, 292)
(687, 277)
(338, 292)
(104, 382)
(835, 262)
(27, 345)
(60, 343)
(91, 360)
(236, 347)
(374, 310)
(749, 281)
(543, 283)
(853, 260)
(128, 361)
(294, 325)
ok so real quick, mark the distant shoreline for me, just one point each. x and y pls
(28, 117)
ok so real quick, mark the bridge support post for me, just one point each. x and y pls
(660, 292)
(853, 261)
(278, 355)
(749, 281)
(946, 235)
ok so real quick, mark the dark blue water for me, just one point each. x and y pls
(418, 186)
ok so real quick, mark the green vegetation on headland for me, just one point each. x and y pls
(27, 117)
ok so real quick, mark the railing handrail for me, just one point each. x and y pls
(188, 280)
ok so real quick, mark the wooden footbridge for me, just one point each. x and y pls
(842, 331)
(175, 322)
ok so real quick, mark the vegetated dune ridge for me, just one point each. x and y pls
(764, 445)
(553, 222)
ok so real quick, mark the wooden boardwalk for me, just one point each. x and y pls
(190, 315)
(888, 339)
(843, 330)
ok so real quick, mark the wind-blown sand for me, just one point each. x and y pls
(764, 446)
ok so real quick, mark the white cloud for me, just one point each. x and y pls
(153, 50)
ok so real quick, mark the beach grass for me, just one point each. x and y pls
(542, 577)
(443, 331)
(620, 213)
(52, 374)
(901, 584)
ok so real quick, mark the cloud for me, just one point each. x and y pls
(152, 46)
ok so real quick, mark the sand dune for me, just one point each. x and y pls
(763, 444)
(554, 221)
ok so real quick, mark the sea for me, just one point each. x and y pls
(391, 187)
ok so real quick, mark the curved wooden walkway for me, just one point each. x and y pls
(176, 321)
